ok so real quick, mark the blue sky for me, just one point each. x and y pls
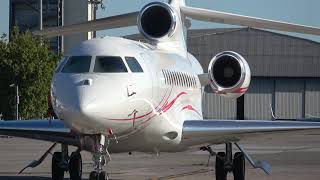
(295, 11)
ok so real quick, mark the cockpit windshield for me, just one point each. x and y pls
(109, 64)
(61, 64)
(134, 65)
(77, 64)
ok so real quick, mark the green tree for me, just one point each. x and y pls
(27, 62)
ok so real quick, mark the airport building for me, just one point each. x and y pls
(285, 73)
(26, 15)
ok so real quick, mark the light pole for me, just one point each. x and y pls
(17, 99)
(41, 16)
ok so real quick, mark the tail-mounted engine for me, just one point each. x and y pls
(157, 20)
(229, 74)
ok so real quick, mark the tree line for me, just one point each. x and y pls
(26, 61)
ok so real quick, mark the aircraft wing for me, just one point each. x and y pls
(197, 132)
(235, 19)
(53, 130)
(123, 20)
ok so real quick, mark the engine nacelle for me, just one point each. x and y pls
(157, 20)
(229, 74)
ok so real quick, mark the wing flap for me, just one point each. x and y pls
(219, 131)
(123, 20)
(235, 19)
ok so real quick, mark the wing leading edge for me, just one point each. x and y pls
(118, 21)
(235, 19)
(196, 132)
(53, 131)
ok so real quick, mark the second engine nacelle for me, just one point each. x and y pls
(229, 74)
(156, 21)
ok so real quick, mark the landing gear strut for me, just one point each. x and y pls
(226, 164)
(100, 158)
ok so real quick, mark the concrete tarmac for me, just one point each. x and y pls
(291, 157)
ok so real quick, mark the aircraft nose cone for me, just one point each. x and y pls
(87, 105)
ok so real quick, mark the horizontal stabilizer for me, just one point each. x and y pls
(235, 19)
(123, 20)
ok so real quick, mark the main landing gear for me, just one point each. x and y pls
(225, 163)
(62, 163)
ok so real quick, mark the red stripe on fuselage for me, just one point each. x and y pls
(142, 116)
(168, 106)
(191, 108)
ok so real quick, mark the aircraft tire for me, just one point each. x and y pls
(102, 175)
(75, 166)
(239, 166)
(57, 171)
(93, 175)
(221, 173)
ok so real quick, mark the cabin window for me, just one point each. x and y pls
(77, 64)
(133, 64)
(109, 64)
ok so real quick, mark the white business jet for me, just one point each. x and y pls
(117, 95)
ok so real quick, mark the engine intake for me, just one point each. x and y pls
(229, 74)
(156, 20)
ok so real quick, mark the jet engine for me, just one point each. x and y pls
(157, 20)
(229, 74)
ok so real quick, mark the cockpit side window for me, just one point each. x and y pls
(133, 64)
(109, 64)
(77, 64)
(61, 64)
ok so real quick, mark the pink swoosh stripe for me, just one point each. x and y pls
(191, 108)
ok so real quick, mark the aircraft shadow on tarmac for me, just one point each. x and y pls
(33, 178)
(24, 178)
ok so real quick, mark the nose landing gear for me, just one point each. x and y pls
(100, 158)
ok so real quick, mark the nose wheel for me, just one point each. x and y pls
(94, 175)
(100, 158)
